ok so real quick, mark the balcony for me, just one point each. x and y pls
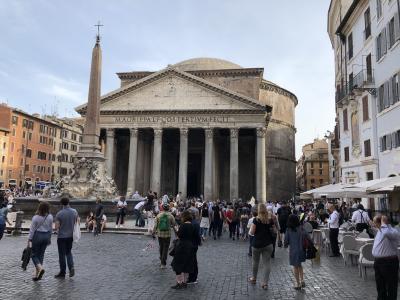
(342, 92)
(364, 78)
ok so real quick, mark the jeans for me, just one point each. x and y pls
(234, 230)
(2, 227)
(265, 254)
(333, 238)
(39, 245)
(97, 230)
(250, 244)
(217, 228)
(274, 238)
(203, 231)
(136, 213)
(193, 276)
(64, 252)
(164, 246)
(120, 216)
(386, 277)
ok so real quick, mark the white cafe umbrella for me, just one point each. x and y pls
(387, 185)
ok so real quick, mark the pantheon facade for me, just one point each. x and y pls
(203, 126)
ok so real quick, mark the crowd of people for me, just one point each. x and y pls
(193, 221)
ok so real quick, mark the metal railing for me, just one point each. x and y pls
(364, 78)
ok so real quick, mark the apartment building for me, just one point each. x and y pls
(313, 166)
(66, 146)
(365, 36)
(30, 146)
(4, 132)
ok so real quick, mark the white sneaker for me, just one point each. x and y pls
(116, 226)
(122, 226)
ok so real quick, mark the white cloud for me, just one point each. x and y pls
(61, 88)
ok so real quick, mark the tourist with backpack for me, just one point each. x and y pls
(162, 228)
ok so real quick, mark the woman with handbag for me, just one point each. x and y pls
(294, 236)
(40, 237)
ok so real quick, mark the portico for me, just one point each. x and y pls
(193, 160)
(174, 132)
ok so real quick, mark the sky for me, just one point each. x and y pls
(45, 48)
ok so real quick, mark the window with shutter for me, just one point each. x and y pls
(386, 94)
(394, 142)
(381, 144)
(388, 142)
(390, 91)
(378, 99)
(378, 8)
(378, 47)
(396, 26)
(345, 120)
(346, 154)
(390, 32)
(350, 45)
(384, 42)
(398, 138)
(367, 23)
(365, 108)
(367, 148)
(394, 89)
(381, 95)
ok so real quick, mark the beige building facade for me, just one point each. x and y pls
(313, 166)
(201, 127)
(66, 145)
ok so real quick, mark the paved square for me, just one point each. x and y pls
(115, 266)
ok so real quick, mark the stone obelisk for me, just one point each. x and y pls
(90, 148)
(89, 179)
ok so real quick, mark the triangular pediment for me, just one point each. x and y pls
(175, 90)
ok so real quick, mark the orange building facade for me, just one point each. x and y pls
(29, 153)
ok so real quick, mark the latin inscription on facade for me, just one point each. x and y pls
(172, 119)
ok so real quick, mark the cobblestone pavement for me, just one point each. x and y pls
(126, 267)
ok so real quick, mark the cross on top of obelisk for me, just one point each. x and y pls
(98, 25)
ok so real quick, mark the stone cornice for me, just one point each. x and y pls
(229, 72)
(184, 75)
(280, 158)
(277, 89)
(176, 112)
(223, 72)
(133, 75)
(283, 123)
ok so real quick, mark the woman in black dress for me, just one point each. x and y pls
(183, 261)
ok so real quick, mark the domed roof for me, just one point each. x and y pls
(205, 63)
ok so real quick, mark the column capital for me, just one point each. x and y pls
(209, 132)
(234, 133)
(158, 132)
(110, 132)
(261, 132)
(184, 131)
(134, 132)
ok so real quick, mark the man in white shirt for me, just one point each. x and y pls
(137, 211)
(333, 224)
(386, 262)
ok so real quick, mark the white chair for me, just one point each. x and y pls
(366, 259)
(363, 234)
(349, 248)
(326, 240)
